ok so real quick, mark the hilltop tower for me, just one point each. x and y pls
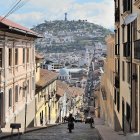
(66, 16)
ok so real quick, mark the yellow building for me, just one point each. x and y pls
(46, 101)
(107, 85)
(127, 65)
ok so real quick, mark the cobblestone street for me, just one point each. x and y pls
(81, 132)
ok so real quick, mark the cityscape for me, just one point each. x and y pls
(70, 77)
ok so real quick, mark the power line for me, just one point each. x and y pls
(16, 6)
(11, 10)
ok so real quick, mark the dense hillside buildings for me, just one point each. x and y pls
(17, 75)
(127, 65)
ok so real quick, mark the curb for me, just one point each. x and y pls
(99, 133)
(28, 131)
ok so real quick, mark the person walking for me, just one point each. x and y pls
(91, 121)
(70, 120)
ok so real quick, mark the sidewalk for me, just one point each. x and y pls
(8, 134)
(106, 132)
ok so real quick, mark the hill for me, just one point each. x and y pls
(65, 36)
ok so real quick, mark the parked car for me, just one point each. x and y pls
(78, 120)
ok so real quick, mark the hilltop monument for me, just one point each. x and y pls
(66, 16)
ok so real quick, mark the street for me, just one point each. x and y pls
(82, 131)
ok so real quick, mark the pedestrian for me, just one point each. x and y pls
(62, 120)
(70, 120)
(91, 121)
(65, 119)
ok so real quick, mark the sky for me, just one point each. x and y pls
(36, 11)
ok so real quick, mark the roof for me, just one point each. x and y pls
(60, 91)
(64, 71)
(17, 27)
(72, 91)
(76, 91)
(46, 77)
(39, 55)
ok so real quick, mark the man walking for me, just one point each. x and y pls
(91, 121)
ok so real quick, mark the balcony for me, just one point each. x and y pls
(117, 82)
(126, 49)
(137, 49)
(117, 49)
(137, 3)
(117, 15)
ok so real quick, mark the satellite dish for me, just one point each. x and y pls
(130, 18)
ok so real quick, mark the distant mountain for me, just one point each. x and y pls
(66, 36)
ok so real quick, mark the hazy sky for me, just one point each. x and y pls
(36, 11)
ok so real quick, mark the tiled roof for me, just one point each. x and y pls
(60, 91)
(46, 77)
(76, 91)
(16, 26)
(39, 55)
(72, 91)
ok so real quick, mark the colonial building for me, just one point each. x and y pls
(17, 75)
(70, 101)
(127, 65)
(46, 101)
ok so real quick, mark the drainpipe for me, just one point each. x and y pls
(131, 75)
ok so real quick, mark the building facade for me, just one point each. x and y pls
(46, 100)
(127, 65)
(107, 85)
(17, 75)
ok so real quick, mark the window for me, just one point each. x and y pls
(123, 33)
(123, 70)
(118, 35)
(28, 87)
(10, 97)
(16, 56)
(127, 5)
(33, 83)
(127, 112)
(24, 89)
(118, 101)
(0, 57)
(10, 57)
(128, 72)
(23, 55)
(135, 30)
(128, 33)
(16, 93)
(33, 55)
(115, 95)
(27, 55)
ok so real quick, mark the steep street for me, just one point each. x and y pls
(82, 131)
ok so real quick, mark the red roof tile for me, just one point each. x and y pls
(12, 24)
(72, 91)
(46, 77)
